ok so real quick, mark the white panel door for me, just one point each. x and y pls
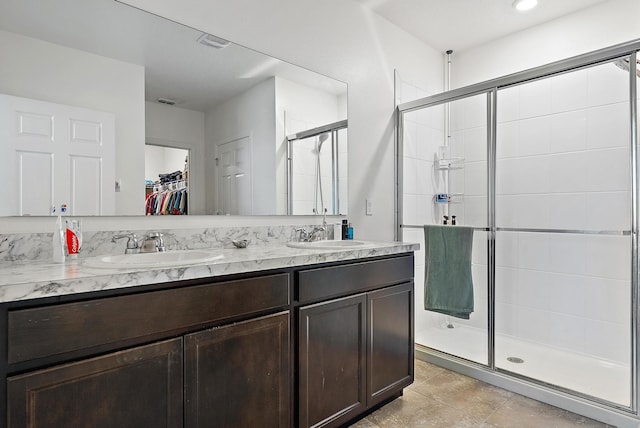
(53, 154)
(234, 177)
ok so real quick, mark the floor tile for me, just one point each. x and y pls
(440, 398)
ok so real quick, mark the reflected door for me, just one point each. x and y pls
(234, 177)
(53, 154)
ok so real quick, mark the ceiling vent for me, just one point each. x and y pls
(213, 41)
(166, 101)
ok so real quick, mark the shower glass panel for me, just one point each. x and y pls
(447, 176)
(563, 220)
(317, 171)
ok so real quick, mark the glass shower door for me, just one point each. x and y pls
(563, 244)
(445, 179)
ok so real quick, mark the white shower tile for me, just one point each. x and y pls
(409, 209)
(506, 317)
(424, 173)
(456, 144)
(475, 211)
(608, 170)
(567, 296)
(568, 172)
(535, 98)
(567, 210)
(568, 332)
(608, 126)
(608, 340)
(527, 175)
(410, 139)
(475, 111)
(506, 285)
(423, 207)
(609, 256)
(409, 176)
(534, 251)
(569, 131)
(479, 246)
(435, 117)
(569, 91)
(608, 211)
(568, 253)
(534, 325)
(475, 179)
(534, 136)
(607, 84)
(456, 180)
(428, 141)
(456, 115)
(421, 116)
(506, 210)
(475, 144)
(507, 244)
(607, 300)
(507, 139)
(534, 289)
(533, 211)
(508, 104)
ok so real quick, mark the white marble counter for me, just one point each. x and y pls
(32, 280)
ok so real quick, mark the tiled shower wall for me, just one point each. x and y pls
(562, 163)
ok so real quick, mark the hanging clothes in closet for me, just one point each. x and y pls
(169, 198)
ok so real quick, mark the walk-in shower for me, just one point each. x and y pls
(317, 170)
(543, 165)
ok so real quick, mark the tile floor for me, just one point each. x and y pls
(444, 399)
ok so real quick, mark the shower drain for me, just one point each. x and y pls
(515, 360)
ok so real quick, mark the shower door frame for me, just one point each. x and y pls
(333, 129)
(562, 397)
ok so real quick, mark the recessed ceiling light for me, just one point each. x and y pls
(523, 5)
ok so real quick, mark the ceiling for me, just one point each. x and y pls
(464, 24)
(176, 66)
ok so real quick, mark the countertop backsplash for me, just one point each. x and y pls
(38, 246)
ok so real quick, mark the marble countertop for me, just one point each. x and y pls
(33, 280)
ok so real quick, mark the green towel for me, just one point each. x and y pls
(448, 284)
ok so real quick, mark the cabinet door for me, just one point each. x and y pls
(140, 387)
(238, 375)
(332, 361)
(390, 353)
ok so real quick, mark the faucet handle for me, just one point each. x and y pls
(303, 234)
(133, 245)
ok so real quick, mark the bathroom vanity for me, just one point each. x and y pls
(283, 338)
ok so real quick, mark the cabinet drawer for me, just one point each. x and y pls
(327, 282)
(40, 332)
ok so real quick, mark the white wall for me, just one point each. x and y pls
(360, 49)
(177, 127)
(40, 70)
(596, 27)
(251, 114)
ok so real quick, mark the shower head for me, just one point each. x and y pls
(623, 63)
(321, 139)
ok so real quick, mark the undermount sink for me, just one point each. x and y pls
(164, 259)
(327, 244)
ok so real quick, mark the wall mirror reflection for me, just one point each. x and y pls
(88, 85)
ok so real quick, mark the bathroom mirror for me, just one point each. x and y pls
(99, 73)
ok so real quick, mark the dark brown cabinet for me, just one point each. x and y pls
(139, 387)
(332, 361)
(238, 375)
(390, 342)
(354, 352)
(315, 345)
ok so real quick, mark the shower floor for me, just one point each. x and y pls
(599, 378)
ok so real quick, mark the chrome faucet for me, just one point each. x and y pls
(309, 236)
(152, 243)
(133, 245)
